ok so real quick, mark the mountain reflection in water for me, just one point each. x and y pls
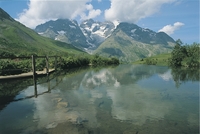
(123, 99)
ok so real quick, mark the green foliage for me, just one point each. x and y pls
(178, 54)
(40, 64)
(72, 62)
(6, 54)
(150, 61)
(80, 61)
(161, 59)
(11, 65)
(187, 55)
(97, 60)
(20, 65)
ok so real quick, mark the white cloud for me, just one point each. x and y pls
(169, 29)
(133, 10)
(40, 11)
(92, 13)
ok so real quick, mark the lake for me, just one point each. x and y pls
(126, 99)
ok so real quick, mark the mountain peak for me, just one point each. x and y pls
(96, 32)
(4, 15)
(87, 23)
(143, 35)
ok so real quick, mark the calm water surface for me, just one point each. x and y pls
(128, 99)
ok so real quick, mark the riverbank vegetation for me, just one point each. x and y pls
(181, 56)
(186, 55)
(161, 60)
(17, 65)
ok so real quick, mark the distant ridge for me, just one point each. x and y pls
(126, 41)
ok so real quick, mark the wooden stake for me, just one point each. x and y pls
(34, 75)
(33, 66)
(47, 65)
(55, 63)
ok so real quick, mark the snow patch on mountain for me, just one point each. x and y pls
(73, 27)
(61, 32)
(145, 30)
(116, 23)
(74, 22)
(133, 31)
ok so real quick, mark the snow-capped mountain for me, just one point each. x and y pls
(64, 30)
(144, 35)
(96, 32)
(130, 42)
(87, 36)
(126, 41)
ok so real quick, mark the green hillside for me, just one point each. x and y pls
(16, 38)
(126, 49)
(161, 59)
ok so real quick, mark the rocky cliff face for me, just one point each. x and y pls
(64, 30)
(96, 32)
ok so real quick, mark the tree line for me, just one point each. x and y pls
(17, 65)
(185, 55)
(181, 56)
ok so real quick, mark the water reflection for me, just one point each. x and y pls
(12, 90)
(9, 89)
(95, 79)
(144, 105)
(184, 74)
(125, 99)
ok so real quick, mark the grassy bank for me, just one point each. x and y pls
(161, 60)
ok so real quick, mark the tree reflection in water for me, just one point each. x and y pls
(185, 74)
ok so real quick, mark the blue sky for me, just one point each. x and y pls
(178, 18)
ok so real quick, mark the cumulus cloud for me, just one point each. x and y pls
(133, 10)
(169, 29)
(91, 14)
(40, 11)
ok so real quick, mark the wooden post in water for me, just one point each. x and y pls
(49, 88)
(34, 75)
(55, 63)
(47, 65)
(33, 66)
(35, 88)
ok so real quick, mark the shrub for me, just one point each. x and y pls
(187, 55)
